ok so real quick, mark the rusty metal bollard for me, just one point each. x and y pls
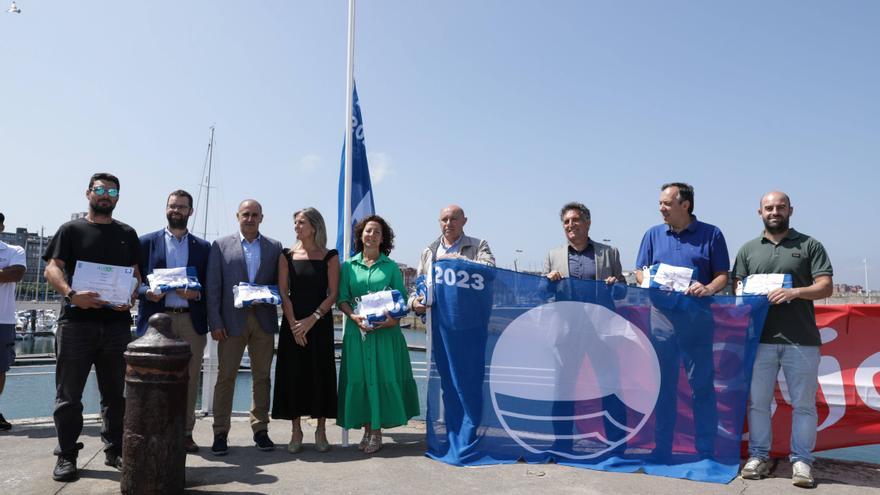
(153, 459)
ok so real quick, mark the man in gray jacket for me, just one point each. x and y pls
(452, 243)
(246, 256)
(582, 257)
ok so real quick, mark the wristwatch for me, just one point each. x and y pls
(69, 296)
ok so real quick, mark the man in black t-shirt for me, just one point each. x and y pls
(90, 330)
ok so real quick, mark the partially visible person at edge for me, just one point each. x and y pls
(376, 385)
(790, 338)
(582, 257)
(13, 265)
(90, 331)
(246, 256)
(305, 368)
(683, 241)
(452, 243)
(176, 247)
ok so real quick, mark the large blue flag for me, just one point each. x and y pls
(361, 189)
(578, 372)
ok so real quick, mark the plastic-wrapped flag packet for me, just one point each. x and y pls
(668, 277)
(374, 305)
(245, 294)
(164, 280)
(762, 284)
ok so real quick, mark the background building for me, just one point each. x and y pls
(33, 285)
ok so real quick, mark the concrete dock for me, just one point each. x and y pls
(26, 463)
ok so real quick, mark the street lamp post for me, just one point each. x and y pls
(517, 251)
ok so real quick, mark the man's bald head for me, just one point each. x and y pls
(775, 212)
(453, 209)
(452, 222)
(775, 195)
(250, 215)
(251, 203)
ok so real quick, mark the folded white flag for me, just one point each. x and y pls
(761, 284)
(167, 279)
(667, 277)
(245, 294)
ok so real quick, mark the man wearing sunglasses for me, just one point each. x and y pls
(90, 330)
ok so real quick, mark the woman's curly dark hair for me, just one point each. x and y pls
(387, 235)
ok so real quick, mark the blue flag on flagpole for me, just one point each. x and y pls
(361, 189)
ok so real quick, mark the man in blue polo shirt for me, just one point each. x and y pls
(683, 241)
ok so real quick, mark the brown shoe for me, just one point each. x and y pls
(190, 445)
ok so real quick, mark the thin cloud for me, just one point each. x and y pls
(309, 162)
(380, 166)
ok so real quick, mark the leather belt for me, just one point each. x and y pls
(177, 310)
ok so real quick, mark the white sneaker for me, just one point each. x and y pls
(801, 475)
(755, 469)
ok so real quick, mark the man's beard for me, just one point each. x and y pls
(176, 222)
(102, 210)
(780, 228)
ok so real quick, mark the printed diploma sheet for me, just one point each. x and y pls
(114, 283)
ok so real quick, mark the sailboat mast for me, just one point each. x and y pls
(208, 182)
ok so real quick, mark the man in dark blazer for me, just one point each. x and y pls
(175, 247)
(245, 256)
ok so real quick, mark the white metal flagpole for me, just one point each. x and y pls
(349, 109)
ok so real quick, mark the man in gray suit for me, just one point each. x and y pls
(582, 257)
(585, 259)
(245, 256)
(452, 243)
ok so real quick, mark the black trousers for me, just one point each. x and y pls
(78, 346)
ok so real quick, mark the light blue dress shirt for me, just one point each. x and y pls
(176, 256)
(251, 256)
(455, 248)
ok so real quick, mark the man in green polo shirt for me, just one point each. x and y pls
(790, 338)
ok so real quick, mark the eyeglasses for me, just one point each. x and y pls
(177, 207)
(101, 190)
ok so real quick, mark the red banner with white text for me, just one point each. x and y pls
(848, 400)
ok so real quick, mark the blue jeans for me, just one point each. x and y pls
(800, 365)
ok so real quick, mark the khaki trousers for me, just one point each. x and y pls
(182, 328)
(261, 348)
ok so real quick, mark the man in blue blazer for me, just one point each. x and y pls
(175, 247)
(246, 256)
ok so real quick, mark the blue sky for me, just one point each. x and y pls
(509, 108)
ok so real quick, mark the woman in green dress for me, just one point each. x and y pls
(376, 385)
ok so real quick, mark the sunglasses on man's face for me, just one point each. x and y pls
(101, 190)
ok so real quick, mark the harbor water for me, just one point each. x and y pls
(30, 389)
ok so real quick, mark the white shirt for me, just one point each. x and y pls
(9, 256)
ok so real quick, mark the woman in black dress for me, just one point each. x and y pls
(305, 369)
